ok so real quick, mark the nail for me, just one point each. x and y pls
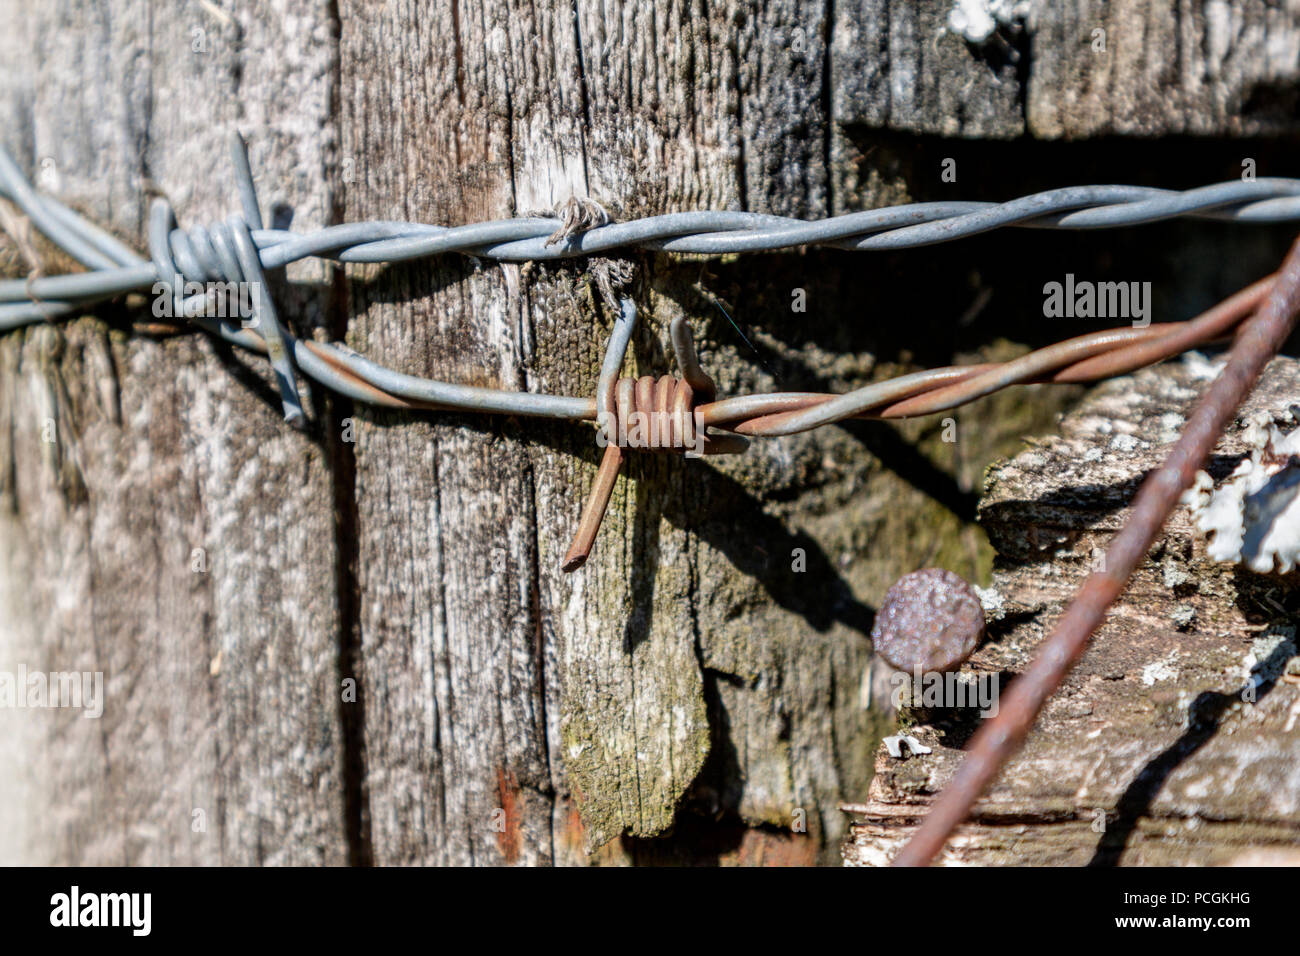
(931, 620)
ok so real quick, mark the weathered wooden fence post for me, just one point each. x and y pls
(355, 644)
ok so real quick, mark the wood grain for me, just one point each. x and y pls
(696, 693)
(221, 686)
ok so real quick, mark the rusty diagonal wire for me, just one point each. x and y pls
(240, 250)
(1258, 340)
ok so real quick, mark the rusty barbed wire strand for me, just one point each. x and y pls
(239, 250)
(1258, 340)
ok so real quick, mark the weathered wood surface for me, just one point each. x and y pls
(221, 686)
(1154, 752)
(1076, 69)
(687, 690)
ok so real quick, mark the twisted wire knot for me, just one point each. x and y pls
(196, 254)
(189, 261)
(646, 414)
(652, 414)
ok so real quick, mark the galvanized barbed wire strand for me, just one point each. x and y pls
(700, 232)
(411, 391)
(16, 188)
(357, 242)
(1258, 341)
(719, 232)
(204, 255)
(703, 232)
(222, 254)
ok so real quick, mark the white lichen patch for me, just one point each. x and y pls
(1273, 648)
(1201, 368)
(978, 20)
(1171, 426)
(990, 599)
(1164, 669)
(1174, 575)
(1095, 424)
(1254, 517)
(897, 744)
(1183, 616)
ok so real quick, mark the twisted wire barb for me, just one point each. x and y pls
(661, 415)
(185, 264)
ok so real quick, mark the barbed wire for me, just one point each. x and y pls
(209, 254)
(241, 250)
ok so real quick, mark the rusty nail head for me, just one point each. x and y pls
(931, 620)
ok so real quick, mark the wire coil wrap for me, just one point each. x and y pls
(653, 414)
(227, 255)
(646, 414)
